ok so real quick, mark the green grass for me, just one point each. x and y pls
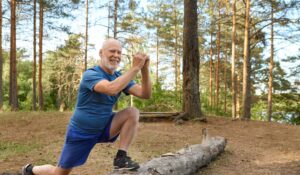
(10, 149)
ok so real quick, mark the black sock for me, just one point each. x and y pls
(29, 169)
(121, 153)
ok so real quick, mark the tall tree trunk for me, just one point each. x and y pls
(238, 96)
(41, 30)
(191, 61)
(86, 33)
(34, 59)
(115, 18)
(211, 13)
(271, 65)
(225, 82)
(10, 59)
(115, 36)
(215, 80)
(13, 58)
(176, 56)
(218, 61)
(1, 60)
(108, 19)
(233, 81)
(157, 56)
(210, 68)
(246, 67)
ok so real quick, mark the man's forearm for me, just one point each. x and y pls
(122, 81)
(146, 83)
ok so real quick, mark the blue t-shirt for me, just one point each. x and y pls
(93, 110)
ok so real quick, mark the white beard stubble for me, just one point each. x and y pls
(108, 65)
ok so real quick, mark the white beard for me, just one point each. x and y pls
(108, 65)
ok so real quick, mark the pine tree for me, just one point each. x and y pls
(211, 13)
(233, 56)
(13, 59)
(41, 31)
(153, 22)
(271, 64)
(191, 95)
(115, 18)
(246, 67)
(218, 56)
(34, 58)
(1, 60)
(86, 32)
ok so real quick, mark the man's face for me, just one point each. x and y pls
(111, 55)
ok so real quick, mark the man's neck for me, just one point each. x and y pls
(107, 70)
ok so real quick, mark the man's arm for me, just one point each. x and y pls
(144, 90)
(112, 88)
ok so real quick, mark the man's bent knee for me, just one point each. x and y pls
(133, 113)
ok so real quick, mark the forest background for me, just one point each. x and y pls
(47, 44)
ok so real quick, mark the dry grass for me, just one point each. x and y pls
(253, 147)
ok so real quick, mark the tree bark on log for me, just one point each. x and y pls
(186, 161)
(166, 116)
(159, 114)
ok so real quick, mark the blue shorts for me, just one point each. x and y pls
(78, 146)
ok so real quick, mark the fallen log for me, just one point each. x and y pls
(155, 116)
(186, 161)
(158, 114)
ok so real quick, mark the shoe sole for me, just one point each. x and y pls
(23, 169)
(126, 169)
(23, 172)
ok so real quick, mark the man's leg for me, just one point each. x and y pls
(45, 170)
(125, 123)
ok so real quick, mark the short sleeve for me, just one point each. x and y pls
(130, 84)
(91, 78)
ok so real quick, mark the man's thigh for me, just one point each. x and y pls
(77, 148)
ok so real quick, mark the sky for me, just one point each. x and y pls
(97, 33)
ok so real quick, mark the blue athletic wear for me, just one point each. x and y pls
(78, 146)
(91, 120)
(93, 109)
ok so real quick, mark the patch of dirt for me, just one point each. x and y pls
(253, 147)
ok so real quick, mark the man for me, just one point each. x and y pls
(93, 120)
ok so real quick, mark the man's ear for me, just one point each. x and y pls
(100, 52)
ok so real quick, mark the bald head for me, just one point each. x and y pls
(110, 54)
(110, 42)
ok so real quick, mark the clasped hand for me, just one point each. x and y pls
(141, 61)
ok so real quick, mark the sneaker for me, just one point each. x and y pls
(125, 163)
(24, 170)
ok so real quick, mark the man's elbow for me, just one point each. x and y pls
(107, 89)
(146, 96)
(111, 91)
